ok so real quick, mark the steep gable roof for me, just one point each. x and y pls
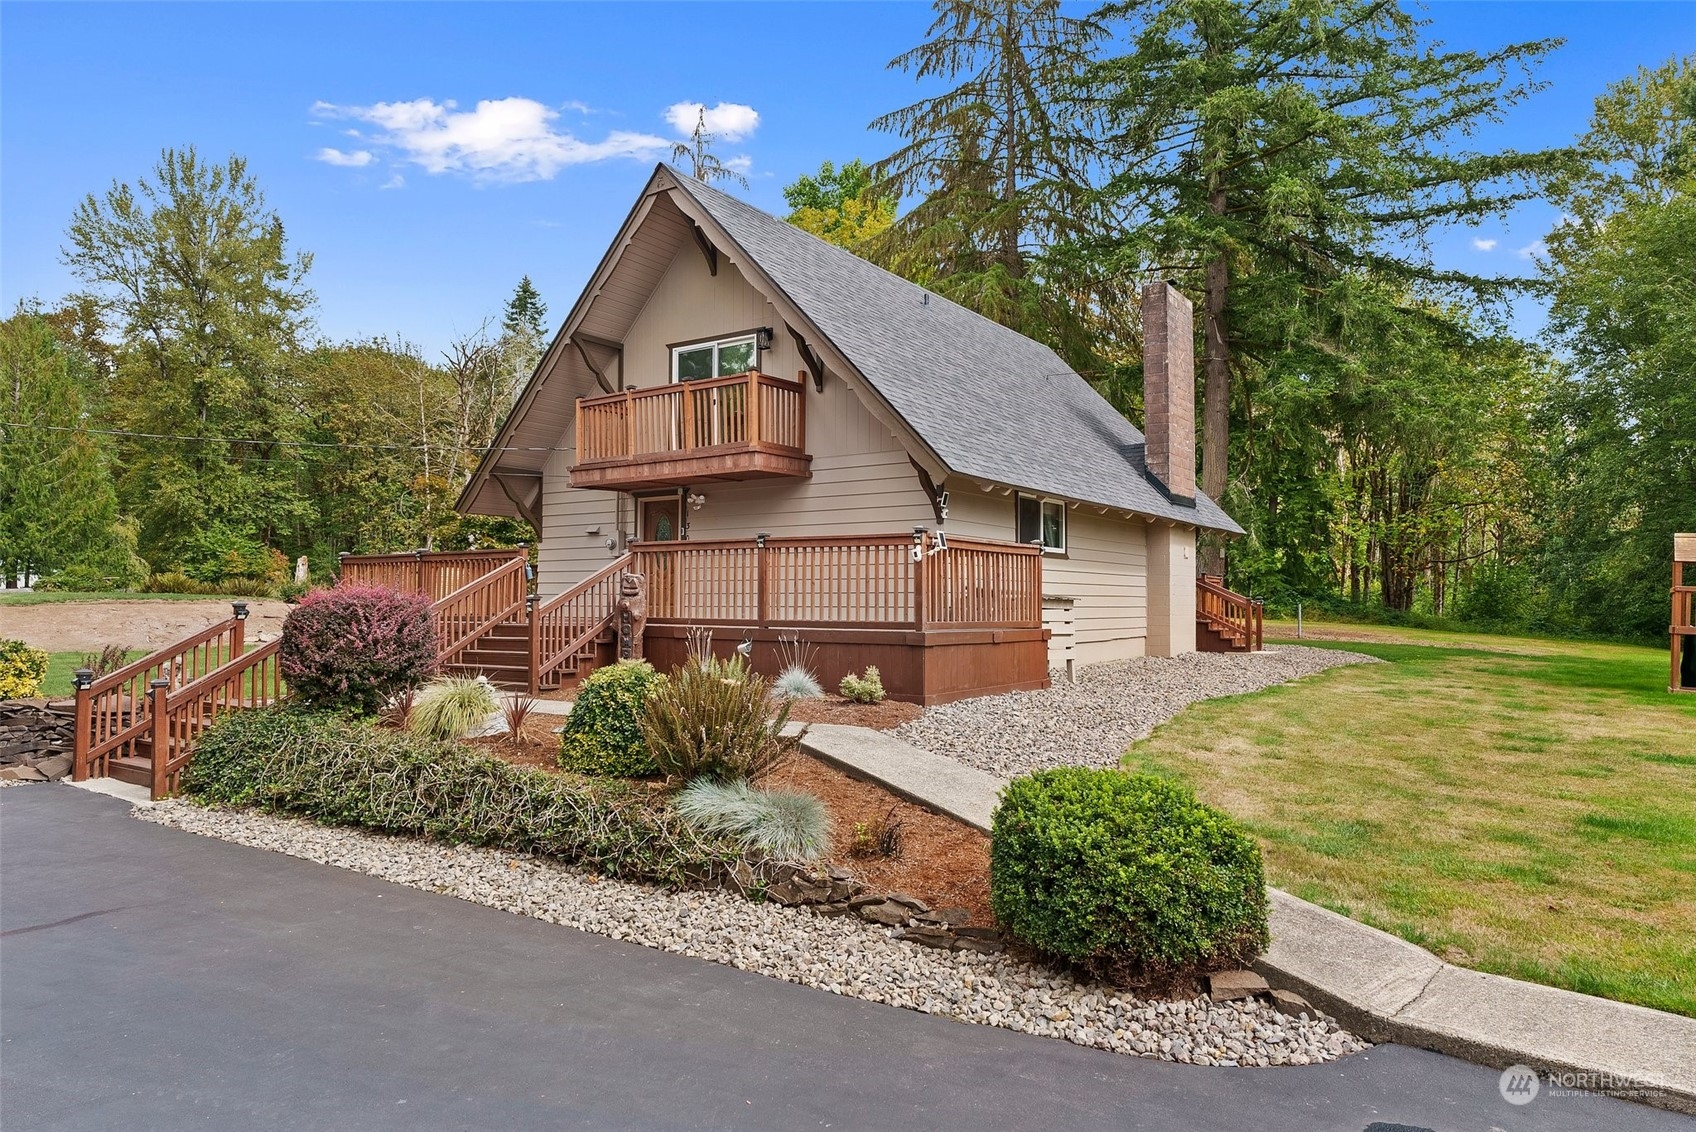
(989, 402)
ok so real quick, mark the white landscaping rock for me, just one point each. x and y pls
(1112, 705)
(840, 954)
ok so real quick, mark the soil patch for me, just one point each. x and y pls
(885, 716)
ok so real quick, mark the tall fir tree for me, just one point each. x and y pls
(524, 330)
(1279, 161)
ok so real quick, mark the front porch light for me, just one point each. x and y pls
(696, 501)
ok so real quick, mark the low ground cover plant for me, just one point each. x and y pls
(1126, 875)
(354, 648)
(788, 825)
(450, 707)
(713, 720)
(22, 669)
(603, 733)
(867, 689)
(348, 771)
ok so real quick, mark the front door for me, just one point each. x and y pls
(662, 518)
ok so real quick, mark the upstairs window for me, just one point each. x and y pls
(1044, 521)
(727, 357)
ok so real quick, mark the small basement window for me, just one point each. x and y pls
(1044, 521)
(701, 361)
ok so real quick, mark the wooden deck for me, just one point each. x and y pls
(751, 426)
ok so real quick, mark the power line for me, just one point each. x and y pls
(264, 442)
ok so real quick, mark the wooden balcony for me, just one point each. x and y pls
(750, 426)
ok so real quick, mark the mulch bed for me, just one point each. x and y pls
(885, 716)
(942, 862)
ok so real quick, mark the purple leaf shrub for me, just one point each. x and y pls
(354, 647)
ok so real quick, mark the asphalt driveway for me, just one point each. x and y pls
(152, 979)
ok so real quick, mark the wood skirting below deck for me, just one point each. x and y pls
(924, 667)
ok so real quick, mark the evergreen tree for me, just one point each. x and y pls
(524, 331)
(58, 508)
(1000, 164)
(1285, 162)
(1623, 311)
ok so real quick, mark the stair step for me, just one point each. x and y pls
(137, 772)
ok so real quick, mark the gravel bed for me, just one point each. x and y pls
(1112, 705)
(841, 955)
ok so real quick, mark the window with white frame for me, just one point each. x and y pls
(727, 357)
(1044, 521)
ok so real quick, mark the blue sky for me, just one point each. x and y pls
(422, 219)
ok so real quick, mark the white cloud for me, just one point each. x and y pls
(741, 163)
(331, 156)
(728, 121)
(394, 182)
(503, 139)
(1483, 245)
(1532, 250)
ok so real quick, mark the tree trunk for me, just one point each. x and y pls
(1216, 394)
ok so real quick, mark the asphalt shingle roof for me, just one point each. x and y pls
(990, 402)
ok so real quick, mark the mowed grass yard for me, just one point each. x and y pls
(1520, 806)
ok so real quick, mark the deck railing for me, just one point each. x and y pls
(439, 573)
(854, 581)
(463, 616)
(563, 626)
(114, 711)
(750, 410)
(178, 716)
(1230, 610)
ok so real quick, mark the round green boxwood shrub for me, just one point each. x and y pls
(603, 733)
(353, 647)
(1126, 875)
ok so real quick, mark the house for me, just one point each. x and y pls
(783, 439)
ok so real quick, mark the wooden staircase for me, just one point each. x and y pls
(1226, 621)
(140, 723)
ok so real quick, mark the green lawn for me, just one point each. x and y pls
(111, 595)
(1517, 805)
(62, 665)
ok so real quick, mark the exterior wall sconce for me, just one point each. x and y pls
(765, 337)
(696, 501)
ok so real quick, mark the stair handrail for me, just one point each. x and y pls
(101, 729)
(1228, 609)
(564, 625)
(179, 715)
(468, 613)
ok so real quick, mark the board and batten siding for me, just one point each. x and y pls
(1104, 570)
(862, 481)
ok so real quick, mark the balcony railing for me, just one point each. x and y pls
(742, 427)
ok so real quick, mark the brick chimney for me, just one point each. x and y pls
(1168, 367)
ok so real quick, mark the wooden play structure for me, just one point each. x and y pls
(1683, 614)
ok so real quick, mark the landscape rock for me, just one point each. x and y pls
(23, 774)
(841, 954)
(912, 902)
(929, 937)
(886, 912)
(1112, 705)
(944, 916)
(1228, 986)
(1290, 1002)
(54, 766)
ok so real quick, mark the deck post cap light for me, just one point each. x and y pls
(83, 678)
(240, 608)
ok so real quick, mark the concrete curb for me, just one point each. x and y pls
(1381, 987)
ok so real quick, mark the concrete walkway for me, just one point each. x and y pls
(158, 980)
(1383, 988)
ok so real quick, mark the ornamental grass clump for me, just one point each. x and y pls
(798, 679)
(712, 720)
(346, 771)
(22, 669)
(451, 707)
(354, 648)
(1128, 876)
(603, 733)
(787, 825)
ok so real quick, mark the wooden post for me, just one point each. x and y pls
(158, 706)
(688, 415)
(418, 571)
(535, 634)
(753, 410)
(762, 583)
(84, 740)
(629, 423)
(577, 428)
(238, 636)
